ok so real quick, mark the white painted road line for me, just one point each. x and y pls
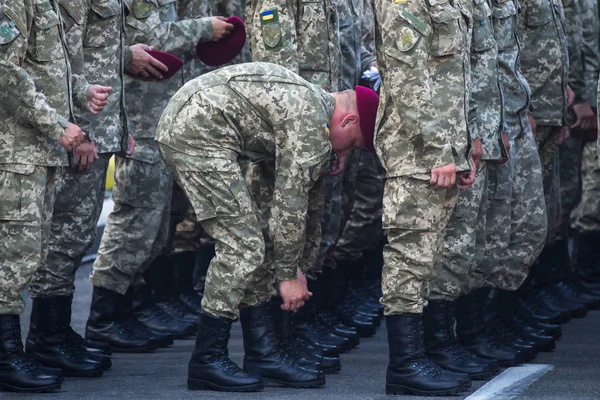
(510, 383)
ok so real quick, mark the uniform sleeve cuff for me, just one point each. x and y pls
(286, 274)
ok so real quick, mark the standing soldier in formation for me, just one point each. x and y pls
(422, 141)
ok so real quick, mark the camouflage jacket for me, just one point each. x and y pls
(273, 116)
(299, 35)
(154, 22)
(368, 25)
(94, 38)
(422, 58)
(38, 88)
(544, 59)
(485, 111)
(515, 89)
(590, 48)
(574, 33)
(355, 58)
(190, 9)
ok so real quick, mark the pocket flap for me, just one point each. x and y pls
(406, 58)
(21, 169)
(45, 20)
(9, 29)
(504, 10)
(74, 12)
(106, 8)
(145, 152)
(539, 17)
(444, 15)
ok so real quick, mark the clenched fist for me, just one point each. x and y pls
(72, 137)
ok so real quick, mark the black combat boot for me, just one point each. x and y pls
(442, 347)
(409, 370)
(307, 321)
(210, 367)
(110, 321)
(184, 265)
(472, 335)
(148, 312)
(51, 342)
(19, 372)
(265, 355)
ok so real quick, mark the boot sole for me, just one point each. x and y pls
(484, 376)
(294, 385)
(83, 374)
(399, 390)
(197, 384)
(43, 389)
(329, 371)
(102, 346)
(145, 349)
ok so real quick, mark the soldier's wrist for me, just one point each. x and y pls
(286, 274)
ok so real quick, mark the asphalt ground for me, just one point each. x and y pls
(571, 372)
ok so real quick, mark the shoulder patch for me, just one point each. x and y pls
(415, 22)
(9, 30)
(271, 29)
(407, 38)
(269, 16)
(142, 8)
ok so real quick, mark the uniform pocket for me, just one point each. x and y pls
(483, 36)
(540, 15)
(446, 31)
(47, 45)
(20, 197)
(103, 24)
(504, 24)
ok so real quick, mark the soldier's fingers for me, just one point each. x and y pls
(153, 72)
(144, 74)
(434, 178)
(577, 123)
(285, 306)
(158, 65)
(452, 180)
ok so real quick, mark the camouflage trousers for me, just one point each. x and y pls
(241, 273)
(464, 243)
(415, 216)
(586, 217)
(516, 221)
(360, 227)
(570, 153)
(26, 204)
(137, 229)
(186, 234)
(77, 207)
(549, 157)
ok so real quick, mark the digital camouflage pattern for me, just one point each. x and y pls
(574, 34)
(421, 122)
(586, 217)
(570, 161)
(544, 59)
(143, 183)
(590, 21)
(411, 139)
(549, 157)
(464, 240)
(77, 207)
(211, 129)
(190, 9)
(36, 103)
(228, 8)
(368, 24)
(37, 84)
(303, 38)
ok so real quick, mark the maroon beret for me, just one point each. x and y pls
(173, 63)
(222, 51)
(367, 102)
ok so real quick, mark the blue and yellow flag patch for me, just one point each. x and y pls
(269, 16)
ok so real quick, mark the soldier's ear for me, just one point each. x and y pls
(350, 119)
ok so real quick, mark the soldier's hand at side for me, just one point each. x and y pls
(339, 163)
(85, 155)
(477, 152)
(570, 96)
(72, 137)
(293, 293)
(562, 134)
(533, 125)
(221, 28)
(467, 178)
(143, 65)
(130, 147)
(97, 98)
(506, 144)
(444, 177)
(585, 116)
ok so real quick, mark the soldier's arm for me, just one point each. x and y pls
(590, 45)
(299, 165)
(18, 94)
(574, 33)
(405, 31)
(271, 26)
(176, 38)
(367, 49)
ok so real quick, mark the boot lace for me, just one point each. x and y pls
(15, 350)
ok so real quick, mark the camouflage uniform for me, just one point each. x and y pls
(95, 42)
(305, 40)
(586, 217)
(465, 235)
(421, 125)
(360, 221)
(545, 65)
(516, 221)
(37, 97)
(143, 183)
(211, 129)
